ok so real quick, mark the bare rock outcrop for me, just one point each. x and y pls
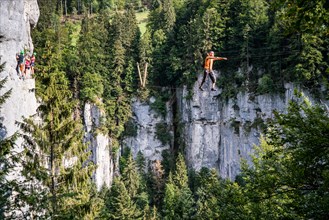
(17, 19)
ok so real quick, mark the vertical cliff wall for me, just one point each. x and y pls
(17, 18)
(145, 134)
(99, 145)
(217, 133)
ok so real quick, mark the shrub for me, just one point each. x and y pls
(162, 133)
(92, 87)
(265, 85)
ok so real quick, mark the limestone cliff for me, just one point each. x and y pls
(217, 133)
(17, 18)
(145, 138)
(99, 145)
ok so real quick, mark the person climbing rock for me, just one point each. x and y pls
(208, 64)
(27, 65)
(33, 63)
(20, 63)
(17, 66)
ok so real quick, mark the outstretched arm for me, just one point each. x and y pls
(220, 58)
(217, 58)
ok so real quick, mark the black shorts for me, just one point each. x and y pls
(211, 75)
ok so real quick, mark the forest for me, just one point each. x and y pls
(87, 51)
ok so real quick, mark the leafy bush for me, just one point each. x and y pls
(265, 85)
(92, 87)
(130, 129)
(162, 133)
(159, 105)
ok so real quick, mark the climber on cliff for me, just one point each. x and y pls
(208, 64)
(17, 66)
(33, 63)
(20, 62)
(27, 65)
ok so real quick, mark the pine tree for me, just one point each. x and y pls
(56, 156)
(309, 17)
(57, 166)
(123, 42)
(7, 157)
(207, 194)
(178, 199)
(288, 179)
(169, 16)
(131, 177)
(157, 183)
(119, 204)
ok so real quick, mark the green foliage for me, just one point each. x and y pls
(127, 198)
(289, 176)
(159, 105)
(207, 203)
(178, 199)
(131, 177)
(130, 129)
(162, 133)
(168, 161)
(57, 167)
(7, 157)
(265, 85)
(59, 138)
(123, 38)
(119, 204)
(91, 87)
(287, 173)
(299, 16)
(258, 37)
(124, 157)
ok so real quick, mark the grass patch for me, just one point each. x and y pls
(75, 27)
(142, 20)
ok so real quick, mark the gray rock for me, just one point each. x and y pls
(100, 146)
(218, 133)
(17, 17)
(146, 141)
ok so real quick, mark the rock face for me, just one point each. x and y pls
(145, 137)
(219, 133)
(99, 145)
(17, 18)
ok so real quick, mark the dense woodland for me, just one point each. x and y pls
(87, 52)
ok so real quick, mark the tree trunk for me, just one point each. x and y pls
(65, 7)
(79, 6)
(76, 114)
(53, 168)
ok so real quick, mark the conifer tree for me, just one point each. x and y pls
(134, 184)
(7, 157)
(287, 180)
(56, 155)
(169, 15)
(178, 199)
(131, 177)
(127, 198)
(119, 204)
(157, 183)
(57, 166)
(207, 194)
(122, 41)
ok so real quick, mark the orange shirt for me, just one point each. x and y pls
(209, 62)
